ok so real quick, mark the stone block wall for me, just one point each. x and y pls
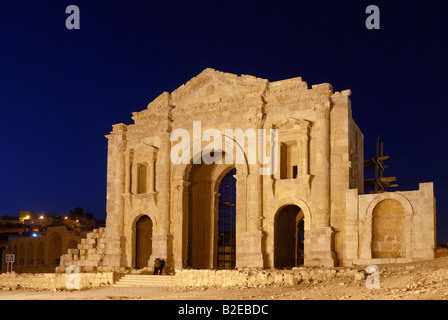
(321, 160)
(41, 254)
(261, 278)
(53, 281)
(416, 227)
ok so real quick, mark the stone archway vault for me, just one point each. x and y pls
(183, 187)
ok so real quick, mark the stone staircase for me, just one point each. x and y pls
(139, 280)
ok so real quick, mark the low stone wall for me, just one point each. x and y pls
(53, 281)
(260, 278)
(249, 278)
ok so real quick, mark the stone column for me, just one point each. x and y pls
(162, 239)
(134, 177)
(151, 175)
(241, 216)
(214, 234)
(128, 163)
(252, 238)
(115, 256)
(303, 143)
(322, 192)
(152, 171)
(181, 258)
(320, 236)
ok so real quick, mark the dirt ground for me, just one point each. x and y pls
(413, 281)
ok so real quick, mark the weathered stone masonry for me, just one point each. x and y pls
(320, 177)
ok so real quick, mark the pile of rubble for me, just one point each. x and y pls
(89, 256)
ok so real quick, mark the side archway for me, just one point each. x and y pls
(299, 203)
(289, 223)
(288, 237)
(389, 224)
(388, 237)
(143, 241)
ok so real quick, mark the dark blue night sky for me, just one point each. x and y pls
(61, 90)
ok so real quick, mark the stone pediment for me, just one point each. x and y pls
(142, 147)
(212, 85)
(143, 152)
(293, 125)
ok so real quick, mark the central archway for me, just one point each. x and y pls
(289, 237)
(205, 244)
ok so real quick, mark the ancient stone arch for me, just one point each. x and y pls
(288, 245)
(205, 188)
(297, 202)
(303, 213)
(321, 172)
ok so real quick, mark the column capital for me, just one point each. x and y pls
(183, 184)
(122, 146)
(165, 135)
(322, 110)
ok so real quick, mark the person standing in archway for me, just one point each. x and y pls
(162, 264)
(157, 264)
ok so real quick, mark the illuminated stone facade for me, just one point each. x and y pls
(159, 208)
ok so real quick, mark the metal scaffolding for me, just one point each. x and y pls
(379, 183)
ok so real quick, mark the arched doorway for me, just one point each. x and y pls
(288, 237)
(55, 248)
(388, 230)
(143, 241)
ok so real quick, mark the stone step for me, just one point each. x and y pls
(147, 280)
(128, 276)
(134, 280)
